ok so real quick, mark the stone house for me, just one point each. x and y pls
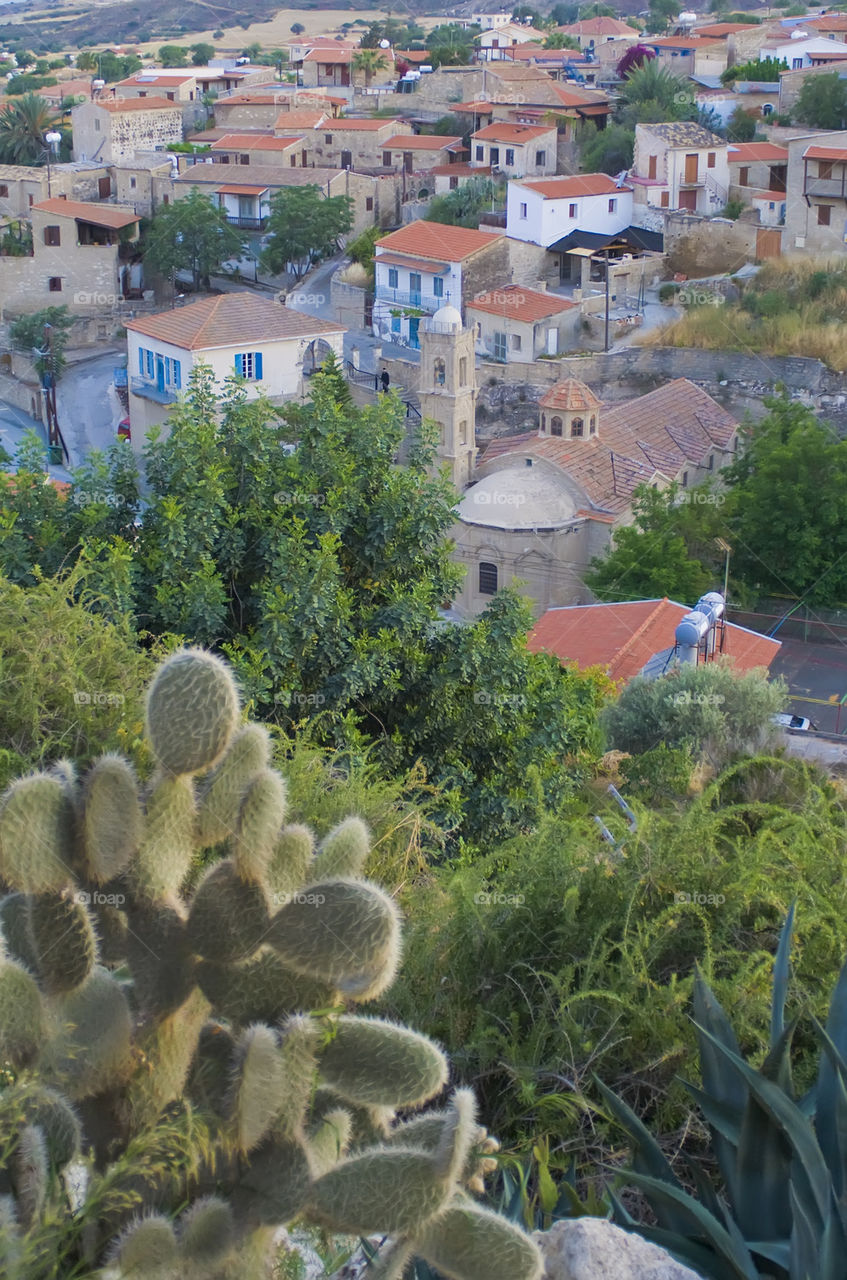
(592, 32)
(329, 66)
(518, 150)
(495, 44)
(22, 186)
(144, 182)
(816, 206)
(449, 177)
(425, 265)
(84, 256)
(760, 166)
(234, 334)
(677, 166)
(357, 143)
(421, 153)
(514, 325)
(262, 148)
(688, 55)
(114, 129)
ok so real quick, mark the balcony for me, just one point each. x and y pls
(247, 224)
(829, 188)
(150, 391)
(423, 301)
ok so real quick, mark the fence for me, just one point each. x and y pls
(786, 620)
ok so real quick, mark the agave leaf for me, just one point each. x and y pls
(721, 1084)
(778, 1251)
(763, 1167)
(831, 1111)
(833, 1249)
(647, 1157)
(805, 1234)
(706, 1193)
(810, 1175)
(725, 1129)
(728, 1245)
(826, 1089)
(781, 971)
(777, 1063)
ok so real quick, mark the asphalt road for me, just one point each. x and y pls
(816, 675)
(87, 405)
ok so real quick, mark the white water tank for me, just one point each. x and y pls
(689, 633)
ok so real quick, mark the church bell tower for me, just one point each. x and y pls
(448, 390)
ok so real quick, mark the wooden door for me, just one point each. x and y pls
(691, 168)
(768, 242)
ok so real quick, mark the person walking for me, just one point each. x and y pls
(385, 380)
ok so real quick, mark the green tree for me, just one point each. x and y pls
(369, 61)
(297, 29)
(192, 234)
(786, 506)
(556, 40)
(114, 66)
(741, 126)
(23, 124)
(462, 207)
(86, 60)
(651, 93)
(174, 55)
(608, 150)
(24, 58)
(450, 44)
(304, 226)
(201, 54)
(765, 69)
(27, 334)
(822, 102)
(662, 13)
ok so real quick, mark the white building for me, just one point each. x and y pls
(495, 45)
(489, 21)
(679, 165)
(235, 335)
(541, 211)
(798, 51)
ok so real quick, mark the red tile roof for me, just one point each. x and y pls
(329, 56)
(252, 142)
(232, 189)
(829, 22)
(301, 118)
(99, 215)
(228, 320)
(501, 131)
(750, 152)
(524, 305)
(717, 30)
(420, 142)
(571, 396)
(577, 184)
(436, 240)
(623, 637)
(678, 42)
(837, 154)
(598, 27)
(138, 104)
(366, 126)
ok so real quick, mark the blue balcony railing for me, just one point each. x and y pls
(424, 301)
(150, 391)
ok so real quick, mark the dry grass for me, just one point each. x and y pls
(793, 307)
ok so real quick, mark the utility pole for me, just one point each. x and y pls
(606, 342)
(48, 383)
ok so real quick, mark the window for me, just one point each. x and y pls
(480, 153)
(651, 167)
(796, 64)
(540, 158)
(52, 236)
(767, 108)
(4, 190)
(711, 462)
(293, 160)
(684, 481)
(555, 426)
(328, 139)
(710, 160)
(576, 428)
(824, 212)
(571, 210)
(500, 346)
(510, 156)
(593, 427)
(415, 283)
(463, 433)
(96, 125)
(523, 210)
(439, 373)
(393, 277)
(438, 287)
(30, 201)
(369, 203)
(55, 284)
(516, 342)
(495, 155)
(453, 183)
(487, 579)
(613, 204)
(248, 364)
(170, 97)
(543, 422)
(665, 200)
(244, 158)
(132, 184)
(166, 199)
(744, 176)
(463, 371)
(824, 168)
(386, 159)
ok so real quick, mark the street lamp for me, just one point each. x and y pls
(51, 148)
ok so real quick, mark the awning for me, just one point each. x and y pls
(632, 237)
(240, 191)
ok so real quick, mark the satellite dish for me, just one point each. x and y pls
(385, 44)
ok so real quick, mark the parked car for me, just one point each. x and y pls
(786, 720)
(123, 429)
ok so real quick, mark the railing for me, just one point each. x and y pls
(717, 194)
(836, 187)
(150, 391)
(426, 301)
(247, 224)
(360, 377)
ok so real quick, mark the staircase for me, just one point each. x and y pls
(717, 194)
(365, 388)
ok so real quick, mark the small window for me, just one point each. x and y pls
(166, 199)
(744, 176)
(244, 158)
(480, 153)
(516, 342)
(248, 364)
(55, 284)
(132, 184)
(463, 371)
(555, 426)
(439, 373)
(711, 462)
(53, 237)
(293, 161)
(463, 433)
(710, 160)
(593, 427)
(576, 428)
(30, 201)
(510, 156)
(495, 155)
(369, 203)
(684, 481)
(523, 208)
(386, 159)
(571, 210)
(613, 204)
(824, 168)
(438, 287)
(487, 579)
(540, 159)
(665, 200)
(96, 125)
(824, 213)
(328, 139)
(499, 346)
(393, 277)
(651, 167)
(453, 183)
(170, 97)
(4, 190)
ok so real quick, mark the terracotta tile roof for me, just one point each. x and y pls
(657, 432)
(717, 30)
(527, 306)
(330, 56)
(66, 89)
(363, 126)
(301, 118)
(577, 184)
(598, 27)
(624, 636)
(481, 108)
(229, 320)
(143, 80)
(99, 215)
(775, 196)
(138, 104)
(570, 395)
(233, 189)
(836, 154)
(501, 131)
(461, 170)
(252, 142)
(750, 152)
(403, 260)
(266, 174)
(830, 22)
(436, 240)
(412, 55)
(420, 142)
(684, 133)
(583, 99)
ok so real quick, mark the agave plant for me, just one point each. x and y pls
(781, 1211)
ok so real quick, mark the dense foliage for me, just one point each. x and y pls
(193, 236)
(304, 226)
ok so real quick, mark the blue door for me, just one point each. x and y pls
(414, 325)
(160, 373)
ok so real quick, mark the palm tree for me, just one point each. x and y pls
(23, 124)
(86, 61)
(369, 61)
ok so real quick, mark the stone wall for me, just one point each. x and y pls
(348, 303)
(697, 246)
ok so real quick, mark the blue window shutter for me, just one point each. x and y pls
(239, 365)
(177, 374)
(257, 364)
(141, 361)
(151, 364)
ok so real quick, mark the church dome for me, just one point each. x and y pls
(448, 319)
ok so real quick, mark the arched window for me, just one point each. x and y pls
(439, 373)
(487, 578)
(463, 371)
(555, 426)
(576, 427)
(592, 429)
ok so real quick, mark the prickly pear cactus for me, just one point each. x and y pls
(187, 1070)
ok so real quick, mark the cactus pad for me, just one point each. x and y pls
(111, 825)
(471, 1243)
(291, 862)
(248, 754)
(192, 711)
(147, 1246)
(206, 1232)
(259, 820)
(23, 1020)
(63, 940)
(386, 1191)
(259, 1085)
(375, 1062)
(229, 918)
(344, 851)
(36, 835)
